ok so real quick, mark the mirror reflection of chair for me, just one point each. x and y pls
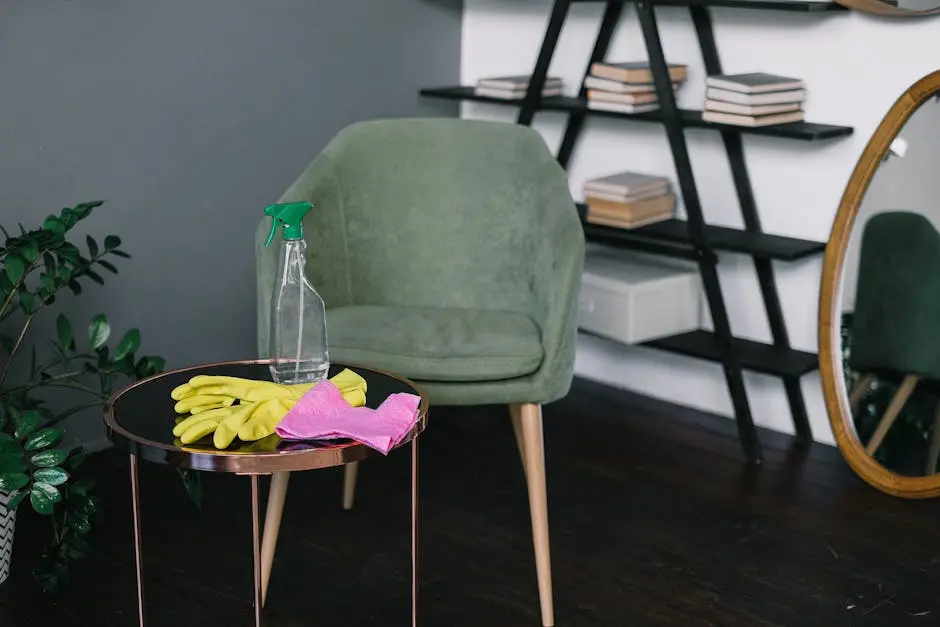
(897, 310)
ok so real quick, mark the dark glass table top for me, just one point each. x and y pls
(141, 418)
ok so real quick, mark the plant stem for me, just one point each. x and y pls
(16, 346)
(78, 386)
(60, 416)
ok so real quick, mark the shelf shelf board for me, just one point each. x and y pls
(756, 356)
(675, 233)
(772, 5)
(806, 131)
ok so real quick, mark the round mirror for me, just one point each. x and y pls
(879, 326)
(894, 8)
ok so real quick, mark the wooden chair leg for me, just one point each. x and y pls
(534, 459)
(859, 390)
(515, 414)
(272, 527)
(894, 408)
(350, 472)
(933, 453)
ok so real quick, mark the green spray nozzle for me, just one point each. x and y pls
(289, 215)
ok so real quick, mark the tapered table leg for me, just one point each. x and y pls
(414, 532)
(256, 546)
(135, 504)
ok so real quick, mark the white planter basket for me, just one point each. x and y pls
(7, 521)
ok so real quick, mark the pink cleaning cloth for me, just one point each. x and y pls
(323, 414)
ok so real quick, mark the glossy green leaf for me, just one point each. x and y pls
(44, 497)
(52, 476)
(120, 253)
(107, 265)
(76, 458)
(128, 344)
(44, 438)
(16, 500)
(82, 525)
(81, 488)
(75, 287)
(98, 331)
(48, 260)
(13, 462)
(47, 459)
(48, 282)
(103, 358)
(64, 330)
(29, 249)
(94, 276)
(13, 481)
(111, 242)
(14, 267)
(26, 422)
(54, 224)
(27, 303)
(92, 245)
(150, 365)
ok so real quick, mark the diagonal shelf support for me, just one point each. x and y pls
(533, 95)
(707, 261)
(734, 148)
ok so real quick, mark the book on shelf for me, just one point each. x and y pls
(626, 184)
(755, 99)
(515, 87)
(635, 99)
(630, 215)
(619, 87)
(753, 82)
(775, 97)
(512, 94)
(740, 109)
(720, 117)
(516, 82)
(636, 71)
(622, 107)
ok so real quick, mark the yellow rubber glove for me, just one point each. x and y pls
(205, 392)
(252, 419)
(248, 421)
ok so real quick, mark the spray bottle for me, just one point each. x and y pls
(298, 348)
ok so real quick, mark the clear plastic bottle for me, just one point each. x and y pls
(298, 349)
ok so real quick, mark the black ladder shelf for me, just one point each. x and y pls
(693, 238)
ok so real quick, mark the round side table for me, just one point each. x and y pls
(140, 419)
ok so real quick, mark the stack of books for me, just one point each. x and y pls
(514, 87)
(628, 200)
(755, 99)
(627, 87)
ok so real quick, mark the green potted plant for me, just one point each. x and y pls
(34, 469)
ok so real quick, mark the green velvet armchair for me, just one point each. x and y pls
(897, 306)
(448, 251)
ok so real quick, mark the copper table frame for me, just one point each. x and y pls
(254, 465)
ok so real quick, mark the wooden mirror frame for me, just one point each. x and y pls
(830, 305)
(876, 7)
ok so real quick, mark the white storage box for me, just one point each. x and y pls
(634, 298)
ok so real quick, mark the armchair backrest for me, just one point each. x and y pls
(430, 212)
(897, 304)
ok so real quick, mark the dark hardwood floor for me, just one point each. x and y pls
(655, 520)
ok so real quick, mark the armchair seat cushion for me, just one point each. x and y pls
(433, 344)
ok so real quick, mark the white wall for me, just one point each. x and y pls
(855, 67)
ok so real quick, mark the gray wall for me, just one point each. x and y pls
(187, 117)
(900, 184)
